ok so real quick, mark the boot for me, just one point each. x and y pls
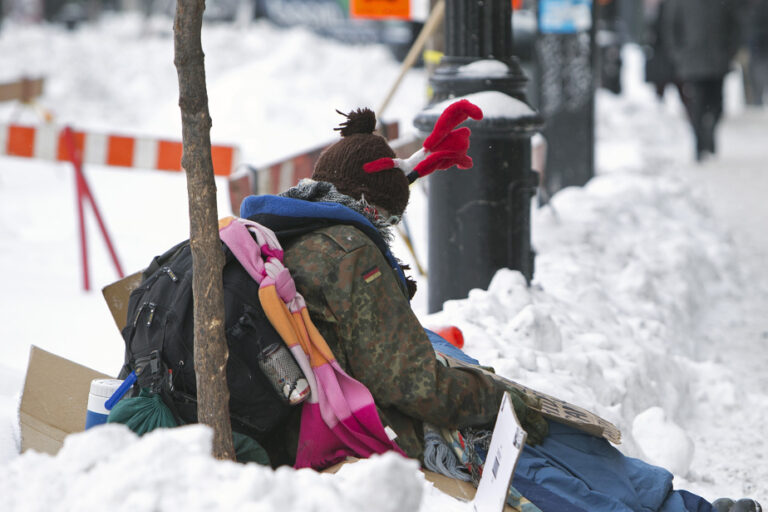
(722, 505)
(742, 505)
(746, 505)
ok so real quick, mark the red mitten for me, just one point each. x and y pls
(456, 141)
(442, 160)
(443, 148)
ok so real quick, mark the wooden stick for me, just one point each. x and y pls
(434, 20)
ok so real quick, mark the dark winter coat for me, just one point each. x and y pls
(659, 67)
(756, 27)
(703, 37)
(358, 300)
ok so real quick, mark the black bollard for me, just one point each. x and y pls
(565, 92)
(479, 219)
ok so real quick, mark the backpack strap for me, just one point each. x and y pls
(159, 261)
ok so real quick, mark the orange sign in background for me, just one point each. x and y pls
(397, 9)
(380, 9)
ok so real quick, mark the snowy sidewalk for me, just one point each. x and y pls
(734, 185)
(736, 180)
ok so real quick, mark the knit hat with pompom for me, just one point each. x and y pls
(342, 165)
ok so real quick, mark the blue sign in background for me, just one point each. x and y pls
(564, 16)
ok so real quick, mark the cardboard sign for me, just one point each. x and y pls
(55, 400)
(380, 9)
(555, 409)
(506, 446)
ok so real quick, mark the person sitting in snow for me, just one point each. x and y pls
(358, 298)
(360, 303)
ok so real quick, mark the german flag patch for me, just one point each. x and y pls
(371, 274)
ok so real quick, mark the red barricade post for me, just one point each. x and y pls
(84, 193)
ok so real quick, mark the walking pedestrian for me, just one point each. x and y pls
(756, 38)
(703, 37)
(659, 67)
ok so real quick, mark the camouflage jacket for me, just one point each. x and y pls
(360, 305)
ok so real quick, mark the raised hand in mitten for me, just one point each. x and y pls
(445, 147)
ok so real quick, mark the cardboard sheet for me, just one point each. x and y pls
(24, 90)
(55, 400)
(116, 295)
(458, 489)
(556, 409)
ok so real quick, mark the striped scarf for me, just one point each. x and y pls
(340, 418)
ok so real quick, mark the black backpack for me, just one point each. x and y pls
(159, 343)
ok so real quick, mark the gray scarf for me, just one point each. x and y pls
(322, 191)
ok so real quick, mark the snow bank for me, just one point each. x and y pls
(626, 269)
(109, 468)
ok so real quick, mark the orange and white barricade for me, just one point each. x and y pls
(57, 143)
(47, 142)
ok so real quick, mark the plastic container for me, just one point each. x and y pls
(284, 373)
(452, 335)
(101, 390)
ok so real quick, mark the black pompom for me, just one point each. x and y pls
(362, 120)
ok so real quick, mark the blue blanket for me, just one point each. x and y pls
(590, 473)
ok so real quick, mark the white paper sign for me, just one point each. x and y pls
(506, 445)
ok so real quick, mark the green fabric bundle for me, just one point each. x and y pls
(143, 413)
(146, 412)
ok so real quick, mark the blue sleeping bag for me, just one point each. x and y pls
(590, 473)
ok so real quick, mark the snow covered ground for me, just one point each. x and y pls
(647, 307)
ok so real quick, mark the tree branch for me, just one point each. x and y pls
(210, 345)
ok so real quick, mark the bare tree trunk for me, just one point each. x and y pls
(210, 343)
